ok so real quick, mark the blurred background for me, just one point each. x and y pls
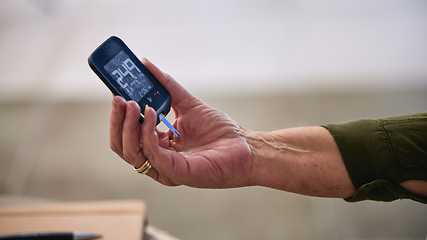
(269, 64)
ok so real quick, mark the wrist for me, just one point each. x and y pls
(266, 153)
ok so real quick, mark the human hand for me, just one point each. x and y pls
(211, 151)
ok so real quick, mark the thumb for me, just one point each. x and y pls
(176, 90)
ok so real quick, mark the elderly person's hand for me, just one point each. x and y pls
(211, 151)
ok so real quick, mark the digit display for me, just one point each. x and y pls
(128, 76)
(125, 75)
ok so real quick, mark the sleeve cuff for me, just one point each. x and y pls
(366, 151)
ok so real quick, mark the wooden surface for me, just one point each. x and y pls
(113, 219)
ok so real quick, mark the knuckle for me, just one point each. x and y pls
(131, 156)
(114, 148)
(127, 156)
(115, 144)
(114, 124)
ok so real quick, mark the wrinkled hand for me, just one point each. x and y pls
(211, 151)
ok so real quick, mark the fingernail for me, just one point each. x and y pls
(115, 98)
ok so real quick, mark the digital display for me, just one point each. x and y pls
(128, 76)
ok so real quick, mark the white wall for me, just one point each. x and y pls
(215, 47)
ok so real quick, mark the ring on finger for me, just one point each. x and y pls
(144, 168)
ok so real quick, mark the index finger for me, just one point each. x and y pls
(117, 116)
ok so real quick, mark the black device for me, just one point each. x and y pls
(125, 75)
(53, 236)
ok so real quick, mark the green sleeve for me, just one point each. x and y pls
(381, 153)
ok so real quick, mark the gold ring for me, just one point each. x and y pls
(144, 168)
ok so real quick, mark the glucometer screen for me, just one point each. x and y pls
(128, 76)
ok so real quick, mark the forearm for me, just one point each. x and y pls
(301, 160)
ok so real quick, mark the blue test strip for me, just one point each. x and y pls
(167, 123)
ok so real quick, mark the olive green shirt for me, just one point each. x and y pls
(379, 154)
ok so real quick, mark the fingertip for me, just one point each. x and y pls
(117, 100)
(128, 107)
(149, 119)
(146, 109)
(133, 105)
(152, 113)
(133, 111)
